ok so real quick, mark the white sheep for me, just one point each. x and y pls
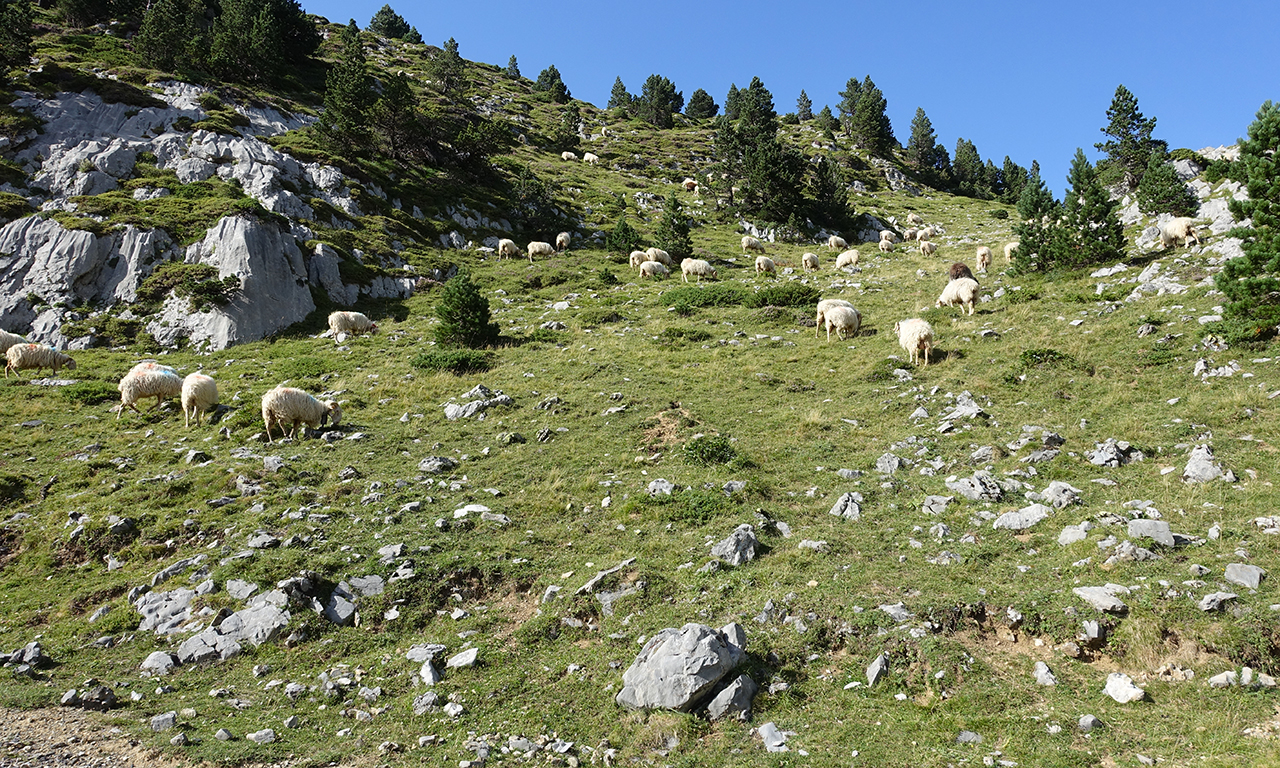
(847, 259)
(765, 264)
(915, 336)
(750, 243)
(909, 234)
(914, 218)
(9, 339)
(539, 248)
(810, 262)
(962, 291)
(351, 323)
(147, 379)
(845, 321)
(925, 233)
(1009, 248)
(287, 405)
(690, 185)
(508, 249)
(1182, 228)
(590, 158)
(984, 258)
(927, 248)
(823, 306)
(659, 255)
(568, 156)
(638, 258)
(836, 243)
(562, 241)
(199, 394)
(654, 269)
(696, 267)
(889, 234)
(38, 356)
(885, 246)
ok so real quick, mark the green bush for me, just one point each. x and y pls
(1020, 297)
(720, 295)
(599, 316)
(464, 315)
(708, 450)
(692, 335)
(89, 393)
(785, 295)
(197, 282)
(1189, 154)
(13, 207)
(1000, 213)
(690, 507)
(457, 361)
(545, 335)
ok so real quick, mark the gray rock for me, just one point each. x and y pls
(877, 669)
(429, 674)
(1201, 467)
(1215, 600)
(1224, 679)
(677, 668)
(341, 607)
(1122, 689)
(223, 734)
(734, 700)
(1101, 598)
(848, 506)
(425, 703)
(1088, 723)
(660, 487)
(241, 590)
(1248, 576)
(464, 659)
(1022, 519)
(265, 736)
(70, 699)
(968, 737)
(1044, 675)
(434, 465)
(897, 611)
(600, 576)
(164, 721)
(159, 663)
(734, 486)
(424, 652)
(1156, 530)
(888, 463)
(1061, 495)
(739, 547)
(1113, 453)
(1071, 534)
(981, 487)
(935, 505)
(368, 586)
(773, 739)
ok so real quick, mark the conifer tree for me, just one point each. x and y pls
(1252, 282)
(513, 68)
(920, 147)
(672, 234)
(169, 33)
(1129, 145)
(388, 23)
(344, 122)
(624, 238)
(870, 126)
(1036, 232)
(657, 101)
(619, 97)
(967, 171)
(731, 102)
(827, 121)
(15, 34)
(81, 13)
(701, 106)
(395, 116)
(1161, 191)
(549, 82)
(748, 150)
(993, 179)
(251, 39)
(413, 36)
(848, 106)
(804, 107)
(1015, 178)
(448, 71)
(565, 136)
(231, 40)
(1090, 231)
(829, 202)
(464, 315)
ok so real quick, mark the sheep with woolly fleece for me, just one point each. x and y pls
(199, 394)
(847, 259)
(925, 233)
(287, 405)
(845, 321)
(1180, 228)
(21, 357)
(568, 156)
(750, 243)
(836, 243)
(147, 379)
(889, 234)
(590, 158)
(690, 185)
(659, 255)
(539, 248)
(638, 258)
(914, 218)
(654, 269)
(765, 264)
(823, 307)
(960, 292)
(909, 234)
(915, 336)
(984, 258)
(562, 241)
(351, 323)
(810, 262)
(508, 249)
(9, 339)
(697, 268)
(959, 270)
(885, 246)
(1009, 248)
(927, 248)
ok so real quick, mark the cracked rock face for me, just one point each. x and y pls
(678, 668)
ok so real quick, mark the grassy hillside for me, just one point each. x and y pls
(699, 385)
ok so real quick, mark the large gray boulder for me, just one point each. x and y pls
(739, 547)
(678, 668)
(1201, 468)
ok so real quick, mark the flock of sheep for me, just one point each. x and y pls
(509, 249)
(282, 407)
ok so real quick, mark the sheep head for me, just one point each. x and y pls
(332, 411)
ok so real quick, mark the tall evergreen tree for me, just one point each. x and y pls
(448, 71)
(344, 122)
(413, 36)
(395, 116)
(828, 201)
(804, 106)
(169, 35)
(1161, 191)
(1090, 232)
(1129, 145)
(1015, 178)
(549, 82)
(993, 179)
(566, 134)
(15, 34)
(848, 106)
(701, 106)
(251, 39)
(82, 13)
(231, 44)
(657, 101)
(827, 121)
(619, 97)
(748, 150)
(731, 102)
(870, 126)
(920, 146)
(513, 68)
(672, 233)
(388, 23)
(967, 171)
(1252, 282)
(1036, 232)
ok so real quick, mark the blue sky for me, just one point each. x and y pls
(1026, 79)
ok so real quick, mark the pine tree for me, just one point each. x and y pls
(731, 102)
(967, 171)
(1036, 232)
(619, 97)
(388, 23)
(828, 201)
(231, 41)
(701, 106)
(672, 234)
(624, 238)
(549, 82)
(344, 122)
(804, 107)
(15, 34)
(1090, 231)
(920, 147)
(565, 136)
(848, 106)
(448, 71)
(1161, 191)
(748, 149)
(1252, 282)
(1015, 178)
(1130, 144)
(513, 68)
(992, 179)
(828, 122)
(657, 101)
(395, 116)
(81, 13)
(251, 39)
(413, 36)
(870, 126)
(464, 315)
(166, 39)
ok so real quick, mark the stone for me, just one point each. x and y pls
(241, 590)
(434, 465)
(1061, 495)
(739, 547)
(877, 669)
(223, 734)
(968, 737)
(1156, 530)
(341, 608)
(1088, 723)
(1023, 519)
(888, 463)
(1214, 601)
(1044, 675)
(265, 736)
(429, 674)
(897, 611)
(1122, 689)
(1223, 679)
(1071, 534)
(660, 487)
(1101, 598)
(164, 721)
(424, 703)
(774, 740)
(677, 668)
(159, 663)
(981, 487)
(1247, 576)
(734, 700)
(848, 506)
(464, 659)
(1201, 467)
(1113, 453)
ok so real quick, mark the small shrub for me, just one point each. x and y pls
(464, 315)
(1020, 297)
(691, 335)
(1000, 213)
(89, 393)
(599, 316)
(690, 507)
(457, 361)
(883, 370)
(1156, 357)
(197, 282)
(1046, 358)
(786, 295)
(1183, 153)
(705, 296)
(606, 278)
(545, 335)
(708, 450)
(12, 488)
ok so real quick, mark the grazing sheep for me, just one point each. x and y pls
(765, 264)
(836, 243)
(38, 356)
(590, 158)
(750, 243)
(885, 246)
(653, 269)
(638, 258)
(914, 218)
(147, 380)
(1009, 248)
(847, 259)
(925, 233)
(959, 270)
(508, 249)
(889, 234)
(690, 185)
(696, 267)
(568, 156)
(286, 405)
(659, 255)
(823, 307)
(961, 292)
(915, 336)
(9, 339)
(351, 323)
(562, 241)
(909, 234)
(845, 321)
(810, 262)
(538, 248)
(984, 258)
(927, 248)
(1181, 228)
(199, 394)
